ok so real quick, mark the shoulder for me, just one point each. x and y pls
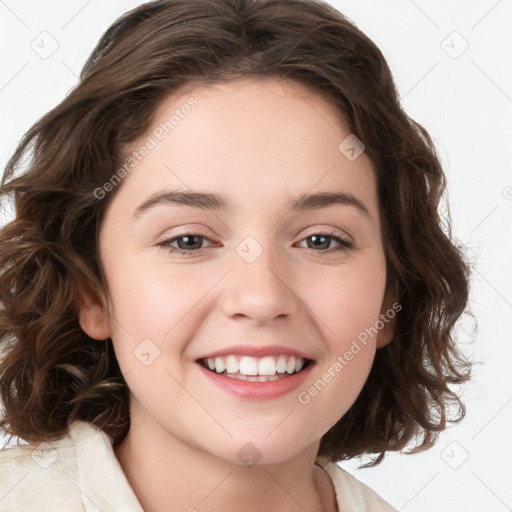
(78, 472)
(39, 473)
(352, 494)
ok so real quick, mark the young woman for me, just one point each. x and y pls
(226, 271)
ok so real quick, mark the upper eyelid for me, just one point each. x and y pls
(330, 232)
(181, 235)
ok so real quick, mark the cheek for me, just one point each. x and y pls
(153, 316)
(349, 300)
(149, 300)
(348, 306)
(152, 321)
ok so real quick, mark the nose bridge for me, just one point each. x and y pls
(259, 285)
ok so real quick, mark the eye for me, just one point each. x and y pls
(191, 243)
(323, 240)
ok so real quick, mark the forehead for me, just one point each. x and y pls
(262, 137)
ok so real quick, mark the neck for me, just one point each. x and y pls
(168, 474)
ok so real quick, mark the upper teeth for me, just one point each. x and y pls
(247, 365)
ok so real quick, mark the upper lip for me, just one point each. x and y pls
(255, 351)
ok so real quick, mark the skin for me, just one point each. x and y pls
(259, 143)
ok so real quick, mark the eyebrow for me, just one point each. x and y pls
(207, 201)
(202, 200)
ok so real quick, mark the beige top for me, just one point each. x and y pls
(80, 473)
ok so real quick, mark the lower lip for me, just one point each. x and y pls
(258, 390)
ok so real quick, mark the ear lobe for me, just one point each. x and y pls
(93, 317)
(385, 335)
(388, 315)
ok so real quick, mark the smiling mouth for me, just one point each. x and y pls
(252, 369)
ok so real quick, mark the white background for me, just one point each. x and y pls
(465, 101)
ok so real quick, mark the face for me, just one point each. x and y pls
(250, 274)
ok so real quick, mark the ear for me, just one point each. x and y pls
(388, 313)
(93, 316)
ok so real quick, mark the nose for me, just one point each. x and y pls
(260, 291)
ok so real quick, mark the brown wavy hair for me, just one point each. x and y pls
(52, 373)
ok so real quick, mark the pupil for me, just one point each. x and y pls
(187, 240)
(315, 238)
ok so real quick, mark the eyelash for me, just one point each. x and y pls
(344, 245)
